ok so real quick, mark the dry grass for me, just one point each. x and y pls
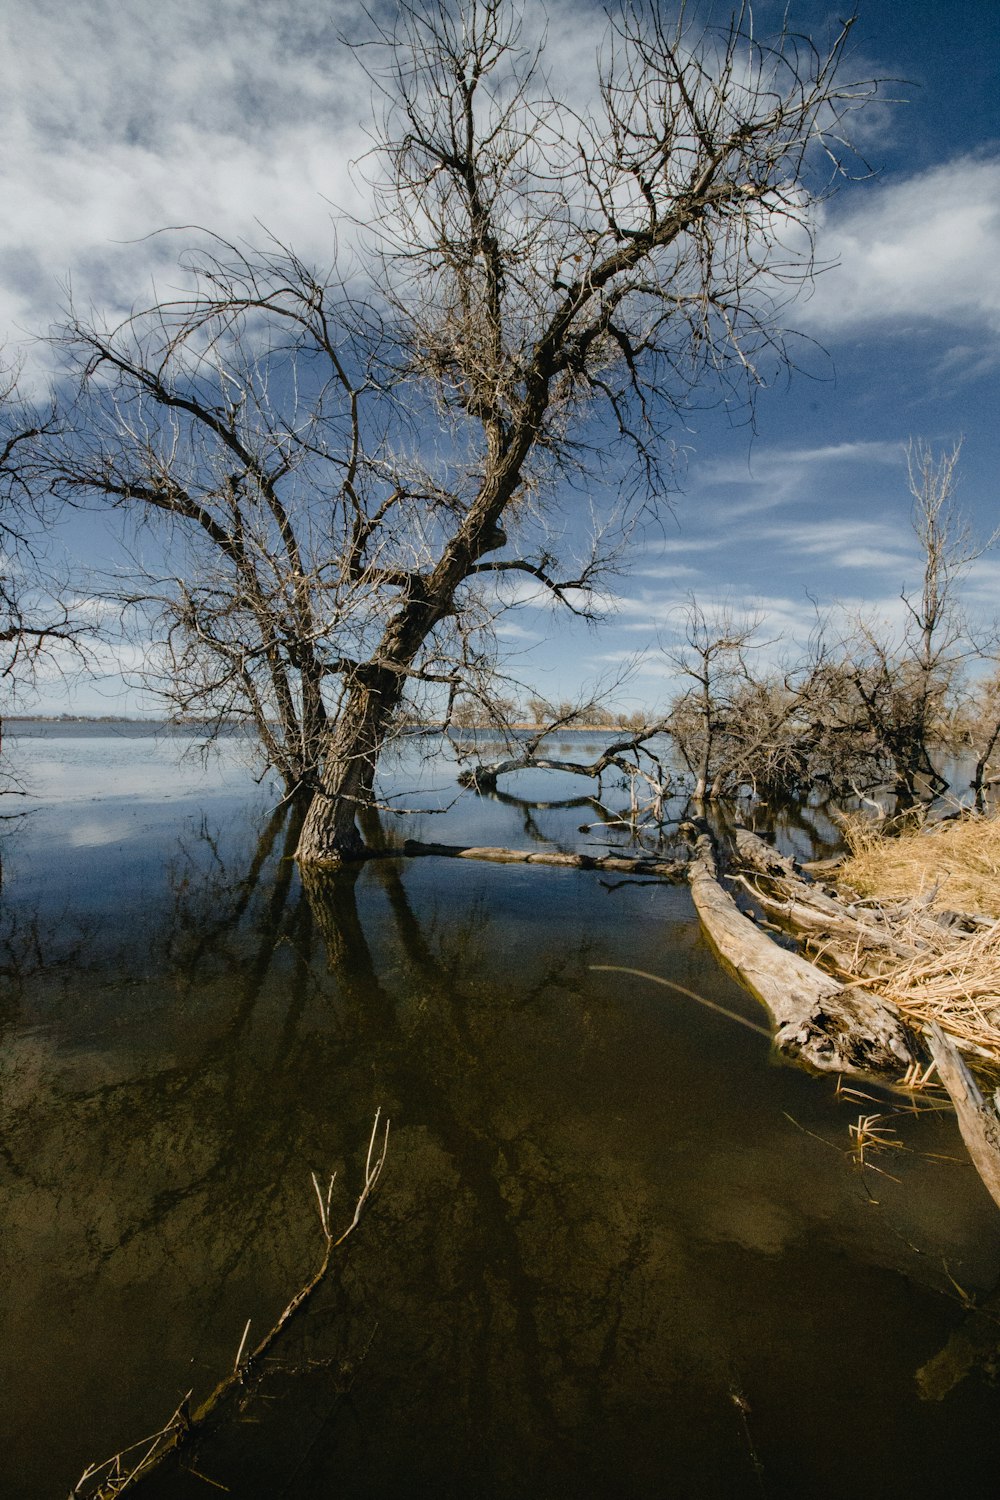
(958, 986)
(955, 977)
(953, 866)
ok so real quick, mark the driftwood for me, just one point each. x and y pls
(633, 864)
(832, 1027)
(628, 864)
(879, 921)
(854, 940)
(860, 939)
(977, 1342)
(978, 1120)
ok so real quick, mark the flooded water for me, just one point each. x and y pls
(616, 1251)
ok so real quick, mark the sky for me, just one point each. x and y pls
(117, 118)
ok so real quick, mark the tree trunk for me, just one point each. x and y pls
(330, 833)
(978, 1118)
(834, 1028)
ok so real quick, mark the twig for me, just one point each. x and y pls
(107, 1479)
(670, 984)
(243, 1341)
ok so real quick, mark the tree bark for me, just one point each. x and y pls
(330, 833)
(834, 1028)
(978, 1120)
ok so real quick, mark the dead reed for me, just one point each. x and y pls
(957, 985)
(914, 877)
(951, 865)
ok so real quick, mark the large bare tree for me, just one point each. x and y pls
(355, 466)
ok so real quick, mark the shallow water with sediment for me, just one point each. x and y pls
(617, 1249)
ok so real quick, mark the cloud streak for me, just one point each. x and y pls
(913, 253)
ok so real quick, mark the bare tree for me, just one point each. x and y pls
(357, 468)
(903, 685)
(853, 715)
(984, 737)
(875, 706)
(742, 727)
(702, 720)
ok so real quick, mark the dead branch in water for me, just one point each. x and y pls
(834, 1028)
(634, 864)
(124, 1469)
(936, 971)
(978, 1119)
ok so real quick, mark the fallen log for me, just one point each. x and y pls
(832, 1027)
(663, 869)
(628, 864)
(791, 881)
(901, 926)
(978, 1120)
(809, 909)
(825, 922)
(855, 944)
(753, 851)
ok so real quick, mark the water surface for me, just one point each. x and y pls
(616, 1251)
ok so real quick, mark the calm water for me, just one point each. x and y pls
(605, 1215)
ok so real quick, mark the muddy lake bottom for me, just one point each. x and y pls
(616, 1251)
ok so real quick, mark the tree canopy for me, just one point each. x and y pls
(350, 466)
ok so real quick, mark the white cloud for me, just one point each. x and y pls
(511, 630)
(785, 627)
(913, 253)
(120, 118)
(666, 571)
(772, 477)
(765, 465)
(679, 544)
(857, 544)
(980, 586)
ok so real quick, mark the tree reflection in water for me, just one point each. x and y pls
(597, 1225)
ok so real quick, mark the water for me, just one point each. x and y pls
(616, 1251)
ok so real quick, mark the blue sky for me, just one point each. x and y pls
(116, 118)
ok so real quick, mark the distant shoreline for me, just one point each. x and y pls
(11, 719)
(79, 719)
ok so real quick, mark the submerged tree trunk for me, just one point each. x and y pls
(330, 833)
